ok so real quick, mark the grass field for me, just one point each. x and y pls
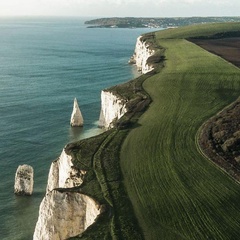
(176, 192)
(202, 30)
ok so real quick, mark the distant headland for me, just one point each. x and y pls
(139, 22)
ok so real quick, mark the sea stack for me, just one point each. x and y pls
(24, 180)
(76, 118)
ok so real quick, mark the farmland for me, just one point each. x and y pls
(178, 193)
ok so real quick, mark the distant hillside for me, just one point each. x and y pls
(175, 190)
(130, 22)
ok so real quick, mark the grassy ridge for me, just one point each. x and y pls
(199, 30)
(175, 191)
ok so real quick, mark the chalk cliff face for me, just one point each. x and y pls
(62, 174)
(63, 213)
(112, 108)
(141, 54)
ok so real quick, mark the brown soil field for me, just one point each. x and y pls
(227, 48)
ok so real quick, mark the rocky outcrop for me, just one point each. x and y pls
(62, 173)
(76, 117)
(24, 180)
(112, 108)
(141, 54)
(64, 213)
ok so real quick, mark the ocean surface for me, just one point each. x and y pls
(44, 64)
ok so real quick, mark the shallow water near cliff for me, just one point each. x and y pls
(44, 64)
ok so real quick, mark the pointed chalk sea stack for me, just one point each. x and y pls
(24, 180)
(76, 118)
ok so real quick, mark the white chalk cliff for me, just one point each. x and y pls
(141, 54)
(112, 108)
(24, 180)
(62, 213)
(76, 117)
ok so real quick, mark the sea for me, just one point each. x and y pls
(45, 62)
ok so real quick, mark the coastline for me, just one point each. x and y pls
(107, 148)
(35, 112)
(103, 167)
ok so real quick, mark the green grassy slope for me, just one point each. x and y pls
(199, 30)
(175, 191)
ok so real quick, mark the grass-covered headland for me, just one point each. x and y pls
(178, 193)
(149, 172)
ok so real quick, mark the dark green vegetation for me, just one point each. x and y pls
(103, 181)
(178, 193)
(220, 139)
(99, 156)
(130, 22)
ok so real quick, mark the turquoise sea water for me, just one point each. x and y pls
(44, 64)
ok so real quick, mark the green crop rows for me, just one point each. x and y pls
(175, 191)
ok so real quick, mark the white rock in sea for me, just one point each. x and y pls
(76, 117)
(24, 180)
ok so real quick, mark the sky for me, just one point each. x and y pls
(120, 8)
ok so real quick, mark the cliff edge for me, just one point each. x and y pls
(87, 177)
